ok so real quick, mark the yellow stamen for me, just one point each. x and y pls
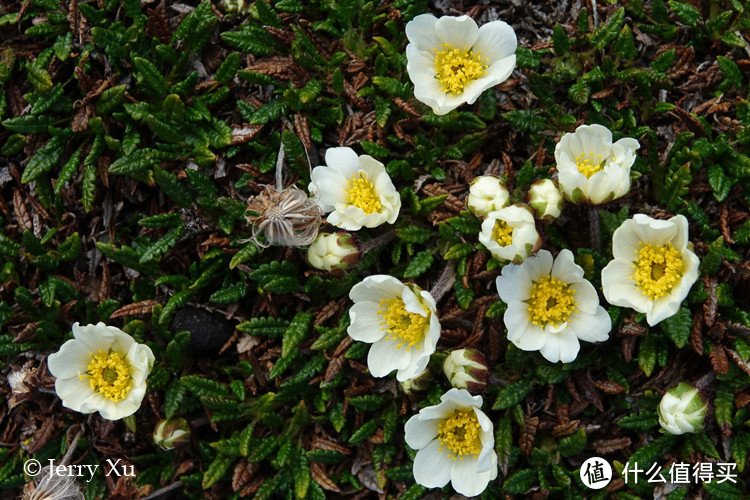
(551, 301)
(109, 375)
(455, 68)
(658, 269)
(588, 166)
(406, 327)
(360, 192)
(502, 233)
(460, 434)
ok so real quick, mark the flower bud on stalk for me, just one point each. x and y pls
(333, 251)
(466, 369)
(682, 410)
(487, 194)
(171, 432)
(545, 199)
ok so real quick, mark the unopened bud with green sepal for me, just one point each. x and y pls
(546, 200)
(330, 252)
(171, 432)
(466, 369)
(682, 410)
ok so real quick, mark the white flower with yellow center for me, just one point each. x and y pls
(487, 194)
(399, 320)
(452, 61)
(102, 369)
(551, 306)
(653, 269)
(510, 233)
(355, 189)
(455, 443)
(590, 168)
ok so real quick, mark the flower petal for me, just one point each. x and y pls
(619, 287)
(432, 467)
(461, 398)
(460, 31)
(70, 361)
(418, 433)
(496, 40)
(532, 339)
(375, 288)
(565, 269)
(516, 319)
(365, 322)
(466, 480)
(563, 346)
(539, 265)
(513, 284)
(420, 31)
(343, 160)
(592, 327)
(385, 356)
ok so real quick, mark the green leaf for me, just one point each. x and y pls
(732, 73)
(138, 161)
(512, 394)
(149, 77)
(66, 173)
(464, 296)
(374, 149)
(156, 250)
(572, 444)
(724, 406)
(39, 77)
(419, 264)
(203, 387)
(250, 40)
(414, 234)
(663, 61)
(458, 251)
(455, 121)
(366, 430)
(712, 261)
(173, 397)
(111, 99)
(229, 293)
(44, 159)
(173, 188)
(264, 326)
(277, 277)
(579, 92)
(560, 40)
(267, 15)
(28, 124)
(685, 13)
(88, 187)
(521, 482)
(216, 470)
(641, 421)
(607, 32)
(526, 120)
(647, 353)
(678, 327)
(296, 332)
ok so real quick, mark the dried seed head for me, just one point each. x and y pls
(51, 486)
(286, 218)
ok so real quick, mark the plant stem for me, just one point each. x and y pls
(594, 228)
(444, 282)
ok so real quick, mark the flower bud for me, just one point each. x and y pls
(171, 432)
(333, 251)
(545, 199)
(682, 409)
(487, 194)
(466, 369)
(419, 383)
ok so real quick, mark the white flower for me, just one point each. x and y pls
(653, 268)
(545, 199)
(399, 320)
(455, 443)
(681, 410)
(551, 306)
(355, 189)
(102, 369)
(510, 233)
(333, 251)
(451, 61)
(487, 194)
(590, 168)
